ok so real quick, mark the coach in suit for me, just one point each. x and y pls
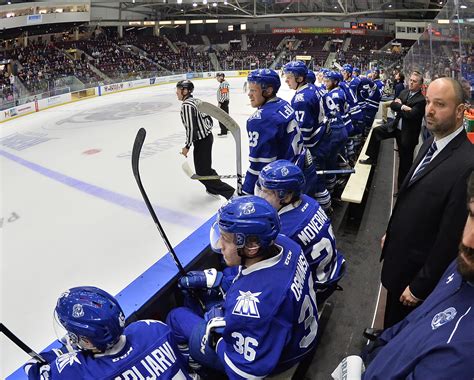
(405, 128)
(427, 221)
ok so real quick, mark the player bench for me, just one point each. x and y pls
(355, 186)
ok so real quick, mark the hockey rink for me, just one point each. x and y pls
(72, 213)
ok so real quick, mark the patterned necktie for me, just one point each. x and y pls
(426, 161)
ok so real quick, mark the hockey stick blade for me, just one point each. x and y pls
(233, 127)
(21, 344)
(189, 172)
(229, 176)
(137, 147)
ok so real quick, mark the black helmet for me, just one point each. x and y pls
(220, 75)
(185, 83)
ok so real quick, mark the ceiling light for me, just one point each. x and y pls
(204, 2)
(463, 6)
(195, 5)
(215, 5)
(180, 1)
(225, 2)
(335, 7)
(390, 5)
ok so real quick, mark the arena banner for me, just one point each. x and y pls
(17, 111)
(243, 73)
(54, 100)
(321, 30)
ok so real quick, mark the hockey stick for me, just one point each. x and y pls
(233, 127)
(189, 172)
(21, 344)
(137, 147)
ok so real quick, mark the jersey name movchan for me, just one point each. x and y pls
(154, 364)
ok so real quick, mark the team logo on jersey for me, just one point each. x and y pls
(450, 278)
(248, 209)
(444, 317)
(284, 172)
(256, 115)
(67, 359)
(246, 305)
(299, 98)
(77, 311)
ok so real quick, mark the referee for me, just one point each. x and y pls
(222, 99)
(199, 132)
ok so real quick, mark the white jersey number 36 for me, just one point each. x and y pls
(244, 345)
(308, 317)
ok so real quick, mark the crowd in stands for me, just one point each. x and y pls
(40, 64)
(7, 89)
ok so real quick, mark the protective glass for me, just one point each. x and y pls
(215, 238)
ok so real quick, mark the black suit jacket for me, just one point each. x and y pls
(411, 120)
(427, 221)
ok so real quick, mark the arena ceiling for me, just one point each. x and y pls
(255, 9)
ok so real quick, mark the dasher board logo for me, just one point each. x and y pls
(246, 305)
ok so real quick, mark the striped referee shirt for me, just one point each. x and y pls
(223, 92)
(197, 124)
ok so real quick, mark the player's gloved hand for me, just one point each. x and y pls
(208, 278)
(216, 311)
(41, 371)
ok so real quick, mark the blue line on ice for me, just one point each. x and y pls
(107, 195)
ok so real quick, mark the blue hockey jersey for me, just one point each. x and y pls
(355, 112)
(336, 108)
(273, 134)
(375, 96)
(148, 353)
(364, 88)
(271, 315)
(435, 341)
(309, 113)
(309, 226)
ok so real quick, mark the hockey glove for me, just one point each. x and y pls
(200, 348)
(217, 311)
(41, 371)
(208, 278)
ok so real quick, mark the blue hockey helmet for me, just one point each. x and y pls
(91, 313)
(333, 75)
(311, 77)
(265, 78)
(246, 216)
(297, 68)
(356, 70)
(348, 68)
(282, 176)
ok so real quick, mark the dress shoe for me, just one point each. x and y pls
(395, 194)
(368, 161)
(372, 334)
(221, 134)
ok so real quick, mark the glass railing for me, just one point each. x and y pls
(446, 47)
